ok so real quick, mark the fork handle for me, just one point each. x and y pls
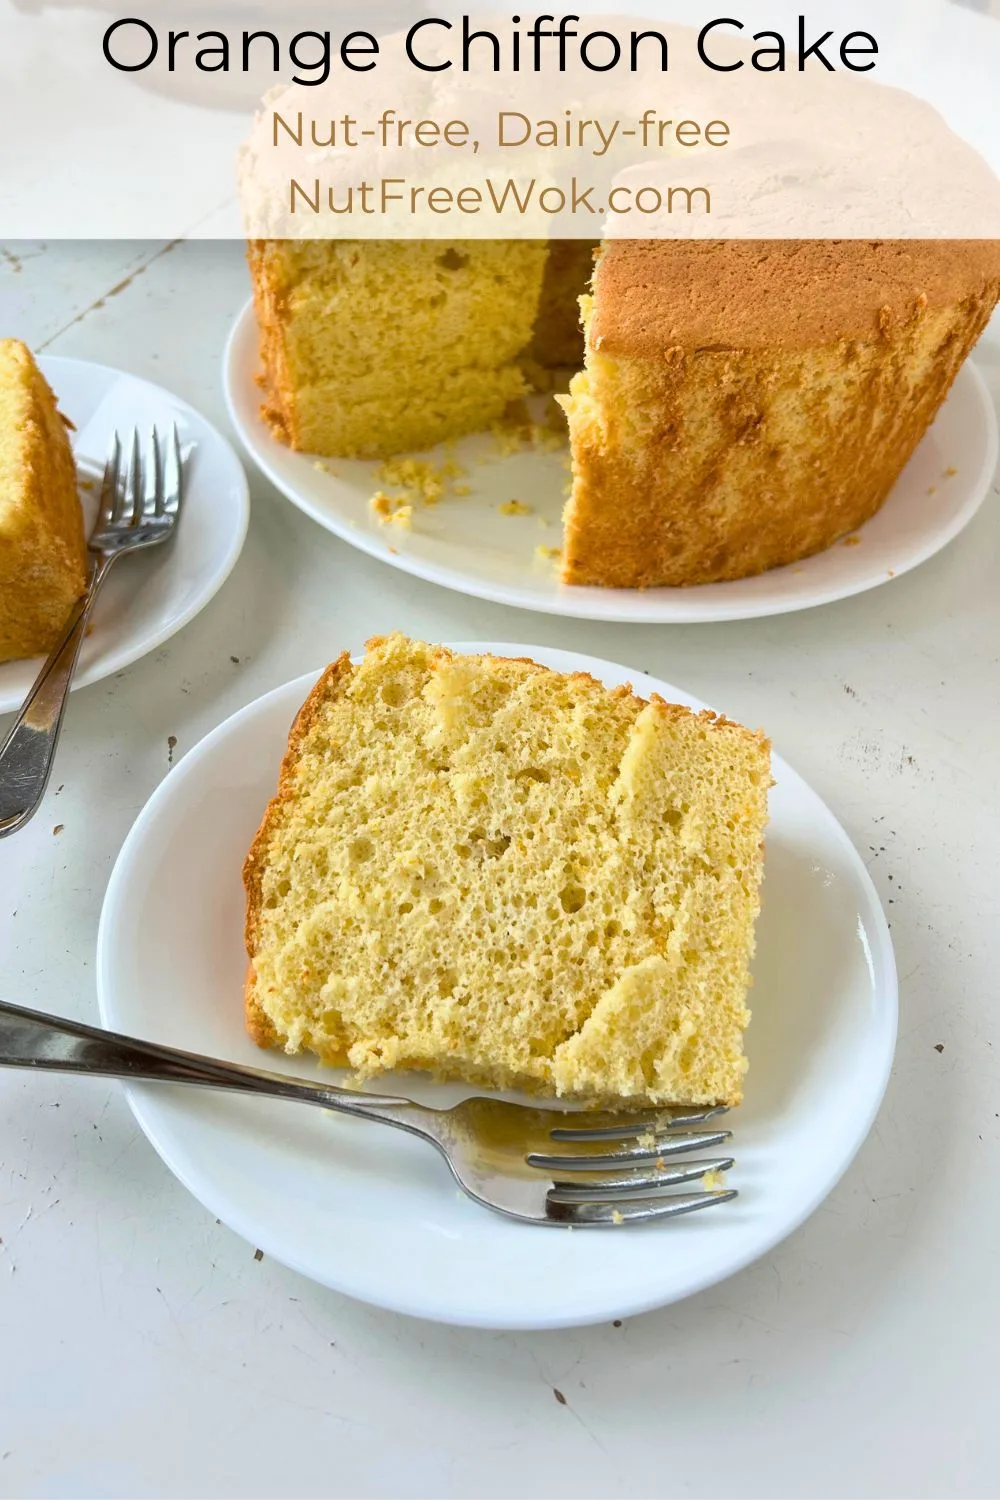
(31, 1039)
(27, 753)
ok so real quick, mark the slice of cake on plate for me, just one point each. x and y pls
(43, 550)
(491, 871)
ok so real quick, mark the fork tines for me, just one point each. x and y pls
(145, 487)
(612, 1170)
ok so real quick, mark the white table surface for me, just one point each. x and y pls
(143, 1349)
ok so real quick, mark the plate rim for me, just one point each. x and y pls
(140, 1097)
(574, 603)
(126, 654)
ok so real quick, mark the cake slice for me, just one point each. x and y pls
(43, 550)
(745, 403)
(484, 869)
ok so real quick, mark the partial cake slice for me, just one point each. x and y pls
(370, 349)
(488, 870)
(745, 403)
(43, 550)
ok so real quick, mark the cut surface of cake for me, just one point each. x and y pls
(490, 871)
(43, 550)
(370, 349)
(746, 403)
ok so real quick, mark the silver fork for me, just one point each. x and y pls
(540, 1166)
(140, 503)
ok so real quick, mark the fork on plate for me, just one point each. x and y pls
(140, 501)
(539, 1166)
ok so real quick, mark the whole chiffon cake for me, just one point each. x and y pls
(742, 404)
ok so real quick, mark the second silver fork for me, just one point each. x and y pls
(140, 502)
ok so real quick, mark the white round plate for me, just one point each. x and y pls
(374, 1213)
(149, 598)
(469, 545)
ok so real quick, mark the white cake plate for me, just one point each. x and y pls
(468, 544)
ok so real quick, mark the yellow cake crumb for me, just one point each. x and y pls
(713, 1182)
(515, 508)
(950, 473)
(547, 554)
(420, 480)
(617, 1217)
(389, 512)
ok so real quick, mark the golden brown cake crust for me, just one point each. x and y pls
(44, 563)
(258, 1024)
(652, 296)
(277, 408)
